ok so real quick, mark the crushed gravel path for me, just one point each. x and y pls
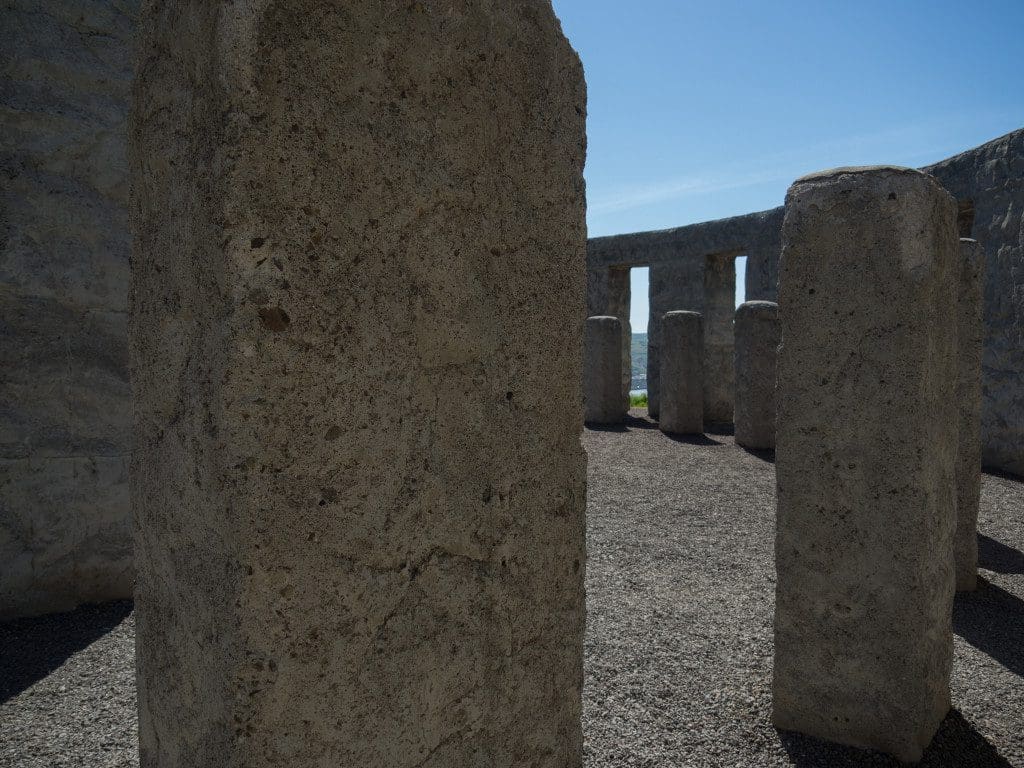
(680, 586)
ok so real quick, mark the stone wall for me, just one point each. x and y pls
(64, 393)
(988, 183)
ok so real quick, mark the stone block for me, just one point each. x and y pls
(357, 290)
(757, 342)
(682, 373)
(65, 536)
(65, 399)
(970, 343)
(865, 459)
(602, 371)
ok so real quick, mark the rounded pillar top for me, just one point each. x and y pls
(867, 177)
(758, 308)
(603, 320)
(681, 315)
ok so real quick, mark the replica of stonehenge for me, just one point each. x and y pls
(687, 273)
(326, 203)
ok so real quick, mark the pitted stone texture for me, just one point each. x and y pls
(64, 390)
(356, 330)
(991, 179)
(602, 371)
(718, 308)
(970, 341)
(672, 288)
(757, 342)
(682, 373)
(865, 459)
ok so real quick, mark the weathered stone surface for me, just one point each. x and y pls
(357, 475)
(682, 373)
(671, 288)
(717, 311)
(602, 371)
(987, 182)
(757, 342)
(64, 394)
(970, 342)
(865, 459)
(991, 179)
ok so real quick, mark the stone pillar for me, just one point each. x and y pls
(619, 294)
(602, 371)
(357, 482)
(757, 342)
(970, 339)
(718, 308)
(682, 373)
(672, 286)
(865, 459)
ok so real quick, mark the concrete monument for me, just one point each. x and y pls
(757, 342)
(970, 339)
(866, 458)
(357, 480)
(682, 373)
(602, 371)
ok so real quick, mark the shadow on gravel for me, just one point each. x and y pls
(956, 745)
(764, 454)
(992, 620)
(995, 556)
(692, 439)
(1003, 475)
(634, 422)
(628, 424)
(32, 648)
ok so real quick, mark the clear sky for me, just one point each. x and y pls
(699, 110)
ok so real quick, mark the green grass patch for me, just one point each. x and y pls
(638, 401)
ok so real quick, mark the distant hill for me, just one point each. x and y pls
(639, 356)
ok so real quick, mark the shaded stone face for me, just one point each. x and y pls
(682, 373)
(602, 371)
(358, 483)
(757, 342)
(865, 459)
(673, 288)
(64, 420)
(970, 340)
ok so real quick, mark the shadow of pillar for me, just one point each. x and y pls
(992, 620)
(956, 744)
(995, 556)
(32, 648)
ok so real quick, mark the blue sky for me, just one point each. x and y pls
(699, 110)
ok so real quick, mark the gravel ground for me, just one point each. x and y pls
(680, 585)
(67, 690)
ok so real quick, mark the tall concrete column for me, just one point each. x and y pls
(757, 342)
(618, 305)
(682, 373)
(970, 340)
(357, 286)
(602, 367)
(865, 459)
(717, 311)
(671, 287)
